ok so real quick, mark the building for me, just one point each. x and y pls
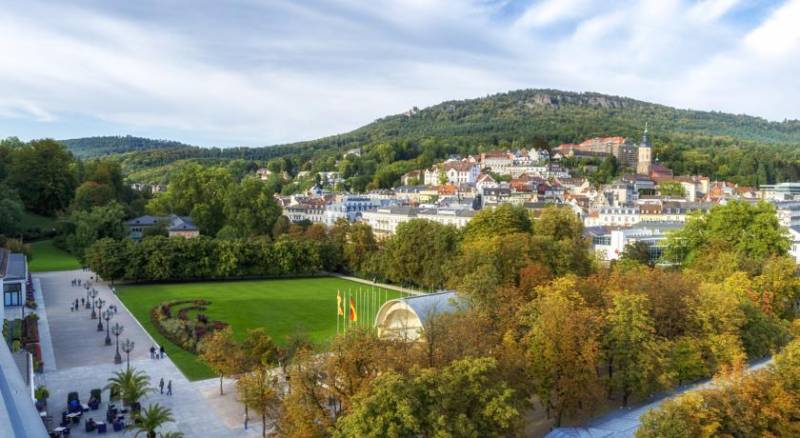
(13, 277)
(175, 226)
(787, 191)
(305, 212)
(456, 172)
(412, 178)
(329, 178)
(385, 220)
(348, 207)
(794, 236)
(788, 212)
(645, 156)
(406, 318)
(498, 162)
(609, 242)
(18, 415)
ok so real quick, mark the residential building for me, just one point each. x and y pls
(456, 172)
(794, 236)
(498, 162)
(175, 226)
(348, 207)
(330, 178)
(788, 212)
(313, 212)
(414, 177)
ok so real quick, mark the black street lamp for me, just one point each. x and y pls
(93, 294)
(117, 330)
(107, 316)
(100, 303)
(127, 347)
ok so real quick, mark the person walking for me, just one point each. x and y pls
(169, 388)
(246, 419)
(162, 351)
(161, 385)
(152, 352)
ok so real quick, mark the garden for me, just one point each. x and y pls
(47, 257)
(178, 314)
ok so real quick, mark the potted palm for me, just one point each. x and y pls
(150, 419)
(130, 384)
(40, 394)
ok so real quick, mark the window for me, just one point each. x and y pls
(12, 294)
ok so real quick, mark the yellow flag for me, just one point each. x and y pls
(339, 309)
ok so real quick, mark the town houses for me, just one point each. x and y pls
(642, 204)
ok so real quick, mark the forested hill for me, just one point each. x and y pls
(560, 116)
(98, 146)
(748, 150)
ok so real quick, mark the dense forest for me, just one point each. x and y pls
(99, 146)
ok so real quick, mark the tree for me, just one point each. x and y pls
(251, 208)
(671, 188)
(92, 194)
(360, 245)
(505, 219)
(280, 227)
(108, 257)
(11, 211)
(44, 174)
(151, 419)
(130, 384)
(420, 252)
(259, 390)
(463, 399)
(86, 227)
(221, 353)
(637, 252)
(257, 350)
(563, 349)
(630, 346)
(751, 230)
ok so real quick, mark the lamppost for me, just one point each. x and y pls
(100, 303)
(107, 316)
(127, 347)
(92, 294)
(117, 330)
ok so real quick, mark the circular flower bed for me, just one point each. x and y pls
(172, 320)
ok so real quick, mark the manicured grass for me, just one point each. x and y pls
(46, 257)
(282, 307)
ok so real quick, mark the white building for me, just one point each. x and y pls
(13, 278)
(781, 192)
(347, 207)
(330, 178)
(385, 220)
(788, 212)
(610, 243)
(457, 172)
(406, 318)
(498, 162)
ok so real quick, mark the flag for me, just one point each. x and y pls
(353, 314)
(339, 309)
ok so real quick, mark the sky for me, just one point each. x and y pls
(263, 72)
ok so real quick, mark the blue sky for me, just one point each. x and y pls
(257, 72)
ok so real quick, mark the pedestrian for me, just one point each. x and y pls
(246, 419)
(162, 351)
(161, 385)
(83, 301)
(169, 388)
(152, 352)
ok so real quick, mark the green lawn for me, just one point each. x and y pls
(30, 220)
(282, 307)
(47, 257)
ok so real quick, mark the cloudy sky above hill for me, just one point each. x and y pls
(260, 72)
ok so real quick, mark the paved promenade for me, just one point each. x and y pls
(83, 362)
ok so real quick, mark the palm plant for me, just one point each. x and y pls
(151, 418)
(131, 385)
(170, 435)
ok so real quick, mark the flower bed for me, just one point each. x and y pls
(36, 351)
(178, 327)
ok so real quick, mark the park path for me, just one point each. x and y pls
(623, 422)
(84, 361)
(381, 285)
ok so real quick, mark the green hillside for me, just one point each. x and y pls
(99, 146)
(689, 141)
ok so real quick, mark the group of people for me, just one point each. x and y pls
(169, 386)
(157, 353)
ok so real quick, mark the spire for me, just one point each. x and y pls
(645, 139)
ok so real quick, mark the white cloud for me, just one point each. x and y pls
(263, 72)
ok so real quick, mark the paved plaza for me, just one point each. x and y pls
(83, 362)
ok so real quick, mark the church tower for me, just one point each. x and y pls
(645, 160)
